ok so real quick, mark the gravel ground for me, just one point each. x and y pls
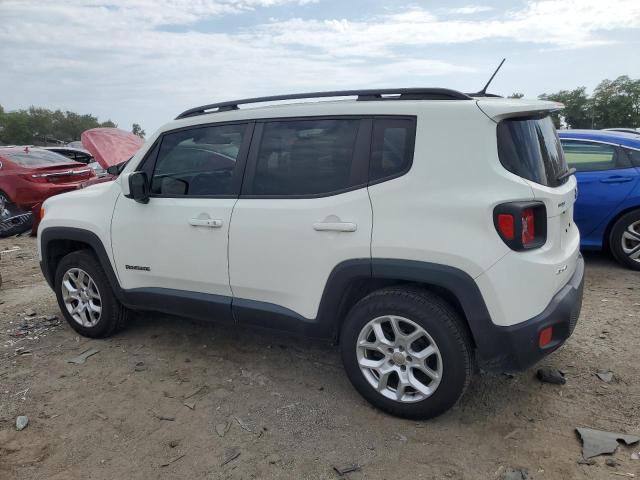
(171, 398)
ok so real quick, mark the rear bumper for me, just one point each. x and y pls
(519, 347)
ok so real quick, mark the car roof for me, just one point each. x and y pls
(618, 138)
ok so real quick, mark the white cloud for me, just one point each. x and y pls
(468, 10)
(120, 58)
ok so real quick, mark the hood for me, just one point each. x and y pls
(110, 146)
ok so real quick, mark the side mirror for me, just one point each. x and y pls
(114, 170)
(138, 187)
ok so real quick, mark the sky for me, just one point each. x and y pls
(145, 61)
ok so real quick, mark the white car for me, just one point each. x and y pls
(424, 230)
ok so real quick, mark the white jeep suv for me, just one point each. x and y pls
(424, 230)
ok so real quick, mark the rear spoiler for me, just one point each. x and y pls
(500, 108)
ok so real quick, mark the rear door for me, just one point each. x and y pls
(304, 209)
(605, 178)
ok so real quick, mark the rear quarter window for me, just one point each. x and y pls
(531, 149)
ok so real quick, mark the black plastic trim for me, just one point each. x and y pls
(371, 94)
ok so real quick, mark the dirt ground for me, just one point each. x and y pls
(171, 398)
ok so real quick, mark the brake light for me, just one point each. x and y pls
(528, 227)
(505, 226)
(37, 178)
(521, 225)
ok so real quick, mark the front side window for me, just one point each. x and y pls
(590, 156)
(305, 157)
(198, 161)
(392, 147)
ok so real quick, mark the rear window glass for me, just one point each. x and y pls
(530, 148)
(37, 158)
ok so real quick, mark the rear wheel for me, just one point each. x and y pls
(406, 351)
(625, 240)
(86, 298)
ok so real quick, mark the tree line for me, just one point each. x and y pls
(614, 103)
(41, 126)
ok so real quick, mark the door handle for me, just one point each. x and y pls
(205, 222)
(616, 179)
(335, 227)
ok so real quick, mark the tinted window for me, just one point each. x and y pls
(530, 148)
(590, 156)
(634, 156)
(392, 147)
(33, 157)
(305, 157)
(198, 161)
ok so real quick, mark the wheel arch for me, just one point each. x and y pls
(56, 242)
(353, 280)
(606, 238)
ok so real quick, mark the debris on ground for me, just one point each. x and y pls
(162, 417)
(34, 327)
(598, 442)
(584, 461)
(515, 474)
(605, 375)
(551, 375)
(223, 428)
(243, 425)
(611, 462)
(21, 422)
(635, 456)
(401, 437)
(347, 469)
(194, 392)
(191, 405)
(231, 455)
(30, 312)
(140, 367)
(273, 459)
(173, 460)
(82, 358)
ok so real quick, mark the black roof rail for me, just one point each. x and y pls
(372, 94)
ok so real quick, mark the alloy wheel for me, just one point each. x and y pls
(399, 359)
(631, 241)
(81, 297)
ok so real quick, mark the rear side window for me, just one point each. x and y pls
(198, 161)
(305, 157)
(530, 148)
(634, 156)
(392, 148)
(37, 158)
(590, 156)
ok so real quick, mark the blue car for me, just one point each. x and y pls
(607, 211)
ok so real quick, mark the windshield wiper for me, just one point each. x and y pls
(566, 174)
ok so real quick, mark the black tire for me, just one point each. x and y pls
(616, 239)
(439, 320)
(113, 314)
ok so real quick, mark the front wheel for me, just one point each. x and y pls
(86, 298)
(406, 351)
(625, 240)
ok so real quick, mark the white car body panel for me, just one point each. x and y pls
(439, 212)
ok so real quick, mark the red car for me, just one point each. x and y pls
(30, 175)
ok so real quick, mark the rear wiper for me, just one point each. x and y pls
(566, 174)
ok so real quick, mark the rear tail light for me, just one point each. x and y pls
(521, 225)
(58, 176)
(545, 337)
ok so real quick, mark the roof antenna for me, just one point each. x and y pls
(483, 92)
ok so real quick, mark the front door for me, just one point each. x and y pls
(176, 244)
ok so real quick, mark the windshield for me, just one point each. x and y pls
(37, 158)
(530, 148)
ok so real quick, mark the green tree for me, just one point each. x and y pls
(136, 129)
(577, 112)
(516, 95)
(40, 126)
(616, 103)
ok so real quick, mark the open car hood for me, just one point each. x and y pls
(110, 146)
